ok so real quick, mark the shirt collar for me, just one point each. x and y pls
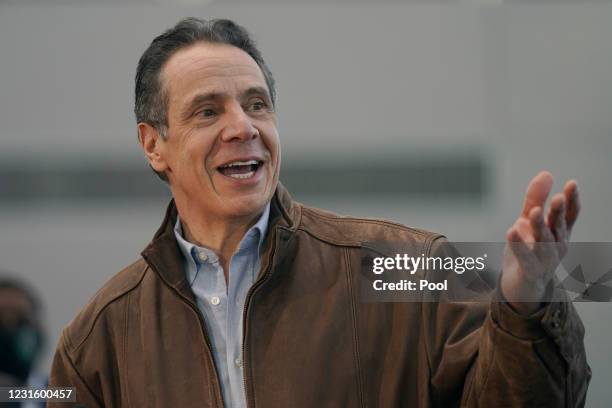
(253, 238)
(256, 235)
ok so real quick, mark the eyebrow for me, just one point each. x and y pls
(200, 99)
(256, 90)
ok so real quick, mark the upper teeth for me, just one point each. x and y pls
(240, 163)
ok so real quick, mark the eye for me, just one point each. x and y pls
(257, 105)
(206, 113)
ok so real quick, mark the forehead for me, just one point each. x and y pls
(206, 67)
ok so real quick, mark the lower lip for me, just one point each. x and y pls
(254, 179)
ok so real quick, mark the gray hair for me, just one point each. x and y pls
(151, 100)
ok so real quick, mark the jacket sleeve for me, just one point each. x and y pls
(65, 374)
(484, 354)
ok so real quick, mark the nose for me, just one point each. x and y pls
(238, 127)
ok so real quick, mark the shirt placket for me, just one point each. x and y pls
(211, 292)
(240, 279)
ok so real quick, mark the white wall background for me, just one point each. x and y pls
(529, 85)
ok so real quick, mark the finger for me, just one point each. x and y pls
(556, 217)
(546, 249)
(572, 199)
(512, 234)
(541, 232)
(537, 192)
(521, 250)
(524, 229)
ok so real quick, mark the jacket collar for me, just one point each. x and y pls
(164, 256)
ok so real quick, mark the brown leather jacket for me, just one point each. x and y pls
(309, 340)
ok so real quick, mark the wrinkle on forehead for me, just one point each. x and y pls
(206, 67)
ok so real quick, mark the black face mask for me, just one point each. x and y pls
(19, 349)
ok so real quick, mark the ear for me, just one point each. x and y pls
(153, 146)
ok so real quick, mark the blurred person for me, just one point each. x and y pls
(21, 336)
(245, 297)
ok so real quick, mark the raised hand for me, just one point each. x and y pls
(527, 267)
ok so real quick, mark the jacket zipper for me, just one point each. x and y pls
(204, 333)
(244, 315)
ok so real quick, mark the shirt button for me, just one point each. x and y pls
(238, 362)
(556, 319)
(202, 256)
(215, 300)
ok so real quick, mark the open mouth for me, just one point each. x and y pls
(240, 169)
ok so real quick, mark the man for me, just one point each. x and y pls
(247, 298)
(21, 337)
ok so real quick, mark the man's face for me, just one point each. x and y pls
(222, 150)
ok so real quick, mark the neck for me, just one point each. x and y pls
(219, 235)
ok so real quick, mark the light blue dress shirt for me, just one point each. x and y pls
(221, 304)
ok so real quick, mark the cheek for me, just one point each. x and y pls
(196, 154)
(275, 153)
(272, 142)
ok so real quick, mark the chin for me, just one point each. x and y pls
(245, 205)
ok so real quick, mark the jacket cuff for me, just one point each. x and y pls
(556, 320)
(524, 327)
